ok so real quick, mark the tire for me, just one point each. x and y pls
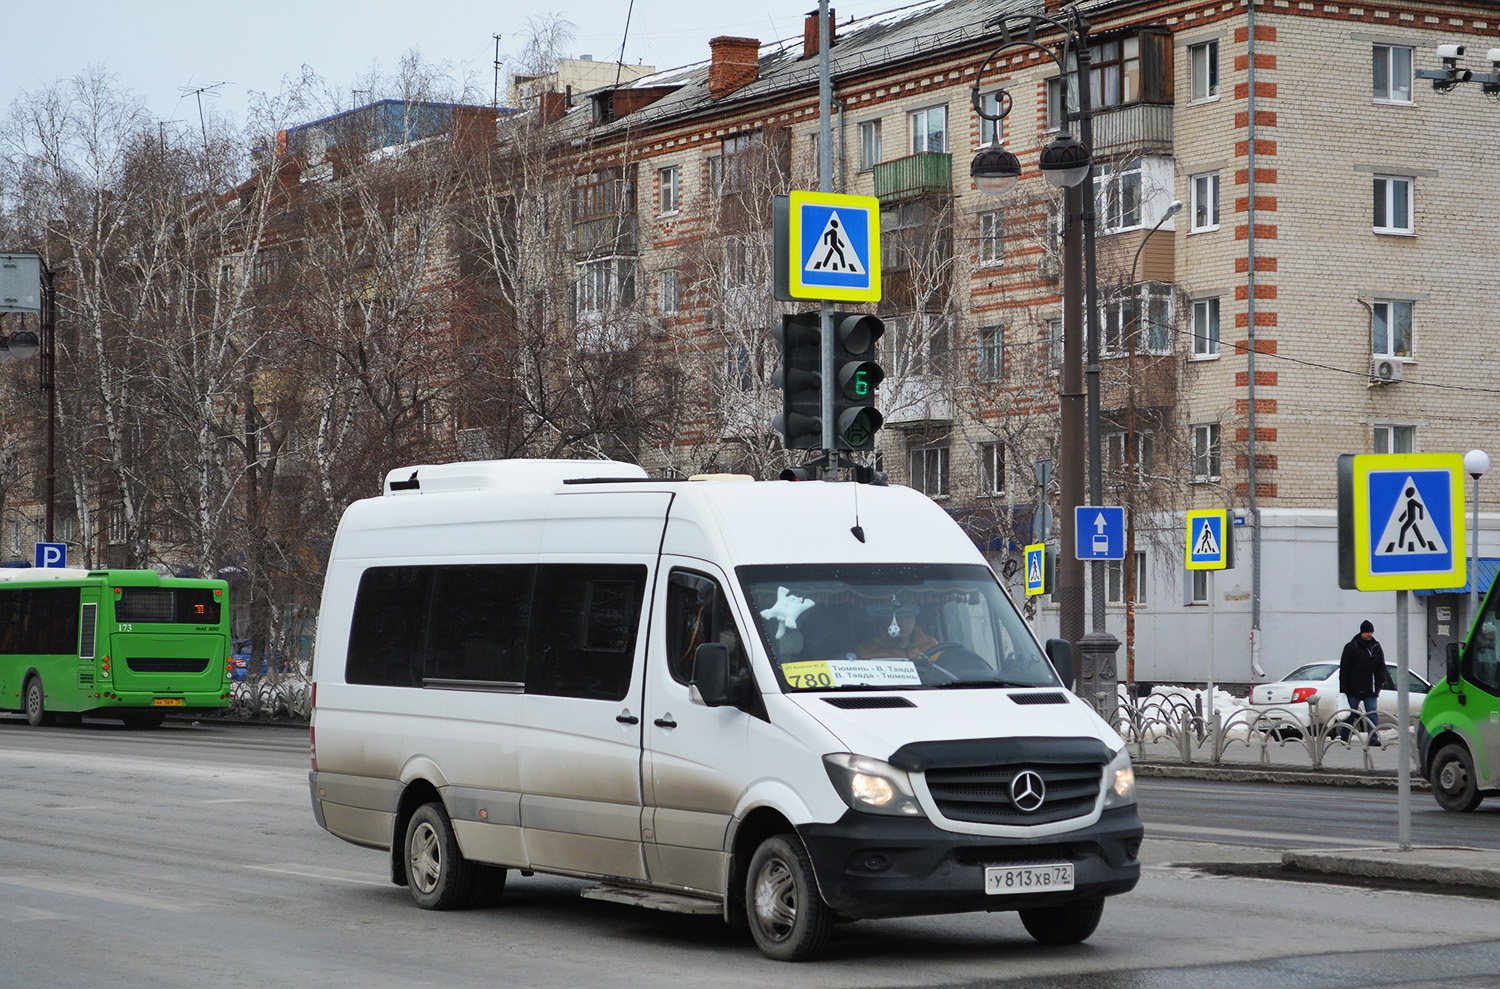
(1452, 779)
(1071, 923)
(789, 920)
(36, 703)
(438, 875)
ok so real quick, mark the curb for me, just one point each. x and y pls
(1278, 774)
(1420, 864)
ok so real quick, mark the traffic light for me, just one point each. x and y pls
(801, 382)
(855, 378)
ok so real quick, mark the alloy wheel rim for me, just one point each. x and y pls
(426, 858)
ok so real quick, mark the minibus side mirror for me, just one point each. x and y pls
(711, 674)
(1060, 651)
(1455, 657)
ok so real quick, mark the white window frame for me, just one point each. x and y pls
(930, 458)
(919, 127)
(668, 292)
(1052, 342)
(1206, 329)
(1204, 193)
(1390, 193)
(1389, 57)
(1153, 336)
(1114, 450)
(1118, 202)
(1203, 72)
(1208, 453)
(991, 132)
(992, 469)
(1197, 587)
(1114, 585)
(670, 199)
(1384, 317)
(869, 144)
(599, 284)
(990, 343)
(992, 237)
(1392, 437)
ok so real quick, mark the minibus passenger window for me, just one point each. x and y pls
(583, 630)
(388, 633)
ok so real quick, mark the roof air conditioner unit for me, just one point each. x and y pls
(1384, 371)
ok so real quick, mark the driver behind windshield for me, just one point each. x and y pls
(893, 631)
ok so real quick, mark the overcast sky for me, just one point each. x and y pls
(160, 48)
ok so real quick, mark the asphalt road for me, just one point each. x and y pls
(188, 856)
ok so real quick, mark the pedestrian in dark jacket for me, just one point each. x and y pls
(1361, 670)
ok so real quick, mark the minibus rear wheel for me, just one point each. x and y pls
(1071, 923)
(788, 918)
(438, 875)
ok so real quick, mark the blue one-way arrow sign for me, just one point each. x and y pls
(1099, 532)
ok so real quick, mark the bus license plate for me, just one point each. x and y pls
(1002, 879)
(168, 702)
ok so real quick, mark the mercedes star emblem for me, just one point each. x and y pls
(1027, 791)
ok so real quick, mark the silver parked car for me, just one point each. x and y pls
(1285, 707)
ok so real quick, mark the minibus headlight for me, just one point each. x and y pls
(871, 785)
(1119, 781)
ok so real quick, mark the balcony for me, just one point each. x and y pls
(1140, 127)
(927, 173)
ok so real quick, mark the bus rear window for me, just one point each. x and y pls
(184, 606)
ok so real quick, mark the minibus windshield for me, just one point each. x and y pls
(891, 626)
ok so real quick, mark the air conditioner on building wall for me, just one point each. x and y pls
(1048, 268)
(1385, 371)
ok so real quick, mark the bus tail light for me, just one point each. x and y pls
(104, 667)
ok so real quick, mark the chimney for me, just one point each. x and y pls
(553, 107)
(810, 32)
(735, 63)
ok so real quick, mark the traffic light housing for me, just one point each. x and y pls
(856, 376)
(801, 381)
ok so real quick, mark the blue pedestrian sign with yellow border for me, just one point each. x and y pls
(1207, 542)
(1036, 569)
(1408, 521)
(834, 246)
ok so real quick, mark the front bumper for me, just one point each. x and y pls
(874, 866)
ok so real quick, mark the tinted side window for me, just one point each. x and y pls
(478, 626)
(387, 640)
(698, 612)
(41, 621)
(583, 627)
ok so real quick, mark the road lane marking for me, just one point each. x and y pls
(92, 892)
(1303, 839)
(317, 872)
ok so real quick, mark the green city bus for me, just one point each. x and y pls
(130, 644)
(1458, 738)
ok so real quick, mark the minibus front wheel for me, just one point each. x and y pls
(788, 918)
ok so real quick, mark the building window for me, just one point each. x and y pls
(869, 144)
(1206, 452)
(605, 283)
(929, 471)
(929, 130)
(1052, 339)
(1206, 328)
(1392, 204)
(992, 468)
(667, 298)
(991, 131)
(729, 171)
(991, 237)
(991, 353)
(1203, 67)
(668, 180)
(1395, 439)
(1114, 452)
(1392, 74)
(1117, 197)
(1153, 301)
(1205, 195)
(1390, 329)
(1114, 588)
(1198, 589)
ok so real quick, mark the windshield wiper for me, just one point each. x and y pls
(960, 684)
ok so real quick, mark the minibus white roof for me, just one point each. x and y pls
(482, 475)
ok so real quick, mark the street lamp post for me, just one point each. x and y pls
(1130, 447)
(1476, 464)
(1068, 163)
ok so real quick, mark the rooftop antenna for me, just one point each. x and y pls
(620, 62)
(198, 92)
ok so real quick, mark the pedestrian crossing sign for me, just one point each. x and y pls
(1036, 569)
(834, 247)
(1208, 540)
(1408, 522)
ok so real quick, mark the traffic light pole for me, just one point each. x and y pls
(825, 184)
